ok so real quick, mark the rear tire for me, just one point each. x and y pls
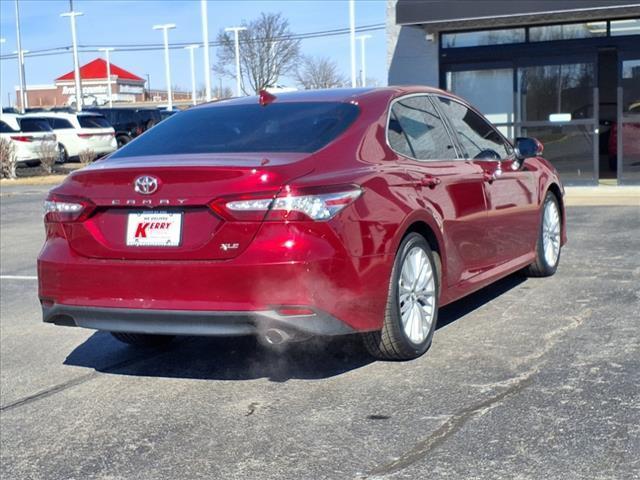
(408, 302)
(122, 140)
(143, 339)
(63, 156)
(548, 246)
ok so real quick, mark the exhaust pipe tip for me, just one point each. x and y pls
(275, 337)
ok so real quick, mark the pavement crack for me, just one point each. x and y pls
(72, 383)
(451, 426)
(510, 387)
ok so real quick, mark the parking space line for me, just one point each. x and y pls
(18, 277)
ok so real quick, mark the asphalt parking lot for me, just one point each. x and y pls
(527, 379)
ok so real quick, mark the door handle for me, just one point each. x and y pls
(430, 181)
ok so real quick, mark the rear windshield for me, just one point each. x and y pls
(93, 121)
(34, 125)
(285, 127)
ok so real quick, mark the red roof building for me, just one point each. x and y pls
(97, 70)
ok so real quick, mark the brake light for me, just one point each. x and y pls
(85, 135)
(290, 204)
(66, 209)
(22, 138)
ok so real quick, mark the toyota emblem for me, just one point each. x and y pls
(146, 185)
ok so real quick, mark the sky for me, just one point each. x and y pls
(108, 23)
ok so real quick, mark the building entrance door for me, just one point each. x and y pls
(624, 145)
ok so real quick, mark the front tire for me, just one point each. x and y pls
(143, 339)
(548, 245)
(412, 305)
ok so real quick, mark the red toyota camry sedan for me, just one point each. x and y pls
(307, 213)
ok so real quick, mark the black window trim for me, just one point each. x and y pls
(454, 140)
(505, 140)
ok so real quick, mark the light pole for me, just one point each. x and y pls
(2, 40)
(205, 45)
(236, 31)
(23, 87)
(363, 63)
(352, 40)
(106, 54)
(76, 64)
(165, 33)
(24, 100)
(191, 48)
(148, 86)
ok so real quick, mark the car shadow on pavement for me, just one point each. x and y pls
(243, 358)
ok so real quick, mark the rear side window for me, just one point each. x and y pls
(34, 125)
(478, 138)
(59, 123)
(4, 128)
(279, 127)
(125, 116)
(93, 121)
(416, 130)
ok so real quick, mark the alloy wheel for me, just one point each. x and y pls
(551, 233)
(416, 295)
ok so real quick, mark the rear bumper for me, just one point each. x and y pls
(185, 322)
(208, 297)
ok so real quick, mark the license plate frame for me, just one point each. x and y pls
(152, 236)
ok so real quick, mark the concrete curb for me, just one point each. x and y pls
(602, 195)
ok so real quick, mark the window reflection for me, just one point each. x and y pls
(485, 37)
(553, 89)
(625, 27)
(567, 31)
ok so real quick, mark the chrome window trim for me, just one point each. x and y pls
(444, 123)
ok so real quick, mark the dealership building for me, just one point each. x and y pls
(126, 87)
(564, 71)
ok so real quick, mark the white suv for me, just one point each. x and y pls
(81, 131)
(27, 133)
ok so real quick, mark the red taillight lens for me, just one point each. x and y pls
(85, 135)
(290, 204)
(66, 209)
(22, 138)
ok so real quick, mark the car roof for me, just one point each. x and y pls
(343, 95)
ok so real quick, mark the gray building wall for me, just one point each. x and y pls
(411, 58)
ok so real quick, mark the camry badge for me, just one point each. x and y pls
(146, 185)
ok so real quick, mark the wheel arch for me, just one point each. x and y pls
(427, 226)
(557, 192)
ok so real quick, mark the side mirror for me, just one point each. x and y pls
(526, 147)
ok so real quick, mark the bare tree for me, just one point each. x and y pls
(7, 158)
(267, 51)
(319, 72)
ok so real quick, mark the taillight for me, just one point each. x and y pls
(290, 204)
(66, 209)
(22, 138)
(85, 135)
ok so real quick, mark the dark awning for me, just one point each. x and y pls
(457, 14)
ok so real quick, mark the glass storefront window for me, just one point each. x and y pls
(556, 92)
(625, 27)
(484, 37)
(630, 129)
(567, 31)
(569, 148)
(490, 91)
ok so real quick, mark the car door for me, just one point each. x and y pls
(445, 184)
(511, 193)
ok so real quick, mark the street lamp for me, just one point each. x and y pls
(165, 33)
(23, 87)
(106, 53)
(24, 101)
(363, 72)
(205, 45)
(76, 64)
(191, 48)
(352, 40)
(236, 30)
